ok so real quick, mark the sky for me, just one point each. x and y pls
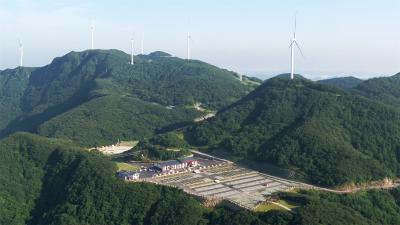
(338, 38)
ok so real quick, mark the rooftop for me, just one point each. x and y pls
(188, 159)
(126, 173)
(168, 163)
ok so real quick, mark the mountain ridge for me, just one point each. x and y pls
(77, 78)
(347, 82)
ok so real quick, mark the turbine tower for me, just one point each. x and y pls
(292, 44)
(189, 38)
(21, 51)
(141, 45)
(132, 51)
(92, 31)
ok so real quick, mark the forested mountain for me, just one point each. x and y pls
(96, 97)
(49, 181)
(385, 89)
(46, 181)
(325, 134)
(12, 87)
(342, 82)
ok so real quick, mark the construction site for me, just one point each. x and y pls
(217, 181)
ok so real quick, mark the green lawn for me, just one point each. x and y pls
(269, 206)
(126, 166)
(289, 204)
(266, 207)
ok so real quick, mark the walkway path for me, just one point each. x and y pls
(280, 205)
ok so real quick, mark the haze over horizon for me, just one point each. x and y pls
(354, 38)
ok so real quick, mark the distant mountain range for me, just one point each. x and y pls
(385, 89)
(342, 82)
(96, 97)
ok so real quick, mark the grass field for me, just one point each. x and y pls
(269, 206)
(289, 204)
(126, 166)
(266, 207)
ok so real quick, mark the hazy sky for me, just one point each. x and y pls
(352, 37)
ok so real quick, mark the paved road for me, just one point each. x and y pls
(209, 156)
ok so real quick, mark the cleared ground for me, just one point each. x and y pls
(117, 148)
(279, 205)
(241, 186)
(126, 166)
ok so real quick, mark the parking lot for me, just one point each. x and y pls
(222, 180)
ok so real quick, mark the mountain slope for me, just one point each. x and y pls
(111, 118)
(327, 135)
(12, 86)
(385, 89)
(54, 183)
(75, 81)
(342, 82)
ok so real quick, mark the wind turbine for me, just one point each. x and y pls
(141, 45)
(21, 51)
(292, 44)
(132, 51)
(92, 31)
(189, 39)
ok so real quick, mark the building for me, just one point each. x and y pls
(128, 175)
(189, 162)
(176, 164)
(169, 165)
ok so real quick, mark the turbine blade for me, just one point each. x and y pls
(298, 47)
(291, 43)
(295, 25)
(190, 38)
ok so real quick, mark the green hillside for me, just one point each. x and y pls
(385, 89)
(110, 118)
(342, 82)
(12, 86)
(45, 182)
(92, 89)
(49, 181)
(326, 135)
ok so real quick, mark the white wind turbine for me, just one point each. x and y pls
(132, 49)
(21, 52)
(189, 39)
(141, 44)
(92, 33)
(292, 44)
